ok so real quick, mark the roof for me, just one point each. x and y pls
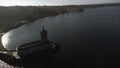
(31, 44)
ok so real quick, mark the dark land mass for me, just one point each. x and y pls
(15, 16)
(13, 61)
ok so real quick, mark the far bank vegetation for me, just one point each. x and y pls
(12, 17)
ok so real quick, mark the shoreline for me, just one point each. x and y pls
(30, 21)
(40, 12)
(53, 12)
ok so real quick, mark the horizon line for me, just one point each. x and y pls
(56, 5)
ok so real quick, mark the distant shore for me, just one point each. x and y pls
(20, 15)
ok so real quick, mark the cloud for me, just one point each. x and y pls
(64, 2)
(54, 2)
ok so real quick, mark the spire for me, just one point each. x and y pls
(43, 29)
(44, 38)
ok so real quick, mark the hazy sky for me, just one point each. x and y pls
(53, 2)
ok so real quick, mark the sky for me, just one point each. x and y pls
(53, 2)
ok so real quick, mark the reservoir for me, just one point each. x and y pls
(89, 38)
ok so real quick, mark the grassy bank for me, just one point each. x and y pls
(15, 16)
(12, 17)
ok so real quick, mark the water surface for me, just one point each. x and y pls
(89, 38)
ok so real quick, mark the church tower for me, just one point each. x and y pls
(44, 38)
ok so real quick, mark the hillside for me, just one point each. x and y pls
(15, 16)
(12, 17)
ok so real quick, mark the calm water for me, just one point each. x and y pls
(90, 38)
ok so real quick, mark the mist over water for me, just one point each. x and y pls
(86, 38)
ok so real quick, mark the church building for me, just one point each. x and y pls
(37, 47)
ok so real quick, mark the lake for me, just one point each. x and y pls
(88, 39)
